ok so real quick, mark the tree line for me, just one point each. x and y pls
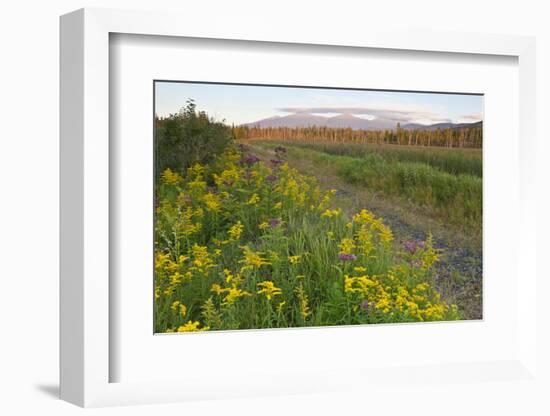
(470, 137)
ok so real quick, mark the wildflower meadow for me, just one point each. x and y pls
(246, 241)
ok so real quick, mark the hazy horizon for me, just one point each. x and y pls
(249, 104)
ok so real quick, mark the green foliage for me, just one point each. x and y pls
(453, 198)
(454, 161)
(260, 247)
(188, 137)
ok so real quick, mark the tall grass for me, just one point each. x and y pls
(454, 161)
(453, 198)
(241, 243)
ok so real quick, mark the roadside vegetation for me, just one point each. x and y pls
(453, 198)
(245, 242)
(453, 161)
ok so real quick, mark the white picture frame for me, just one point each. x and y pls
(85, 213)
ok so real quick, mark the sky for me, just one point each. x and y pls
(240, 104)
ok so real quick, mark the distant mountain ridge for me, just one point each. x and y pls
(415, 126)
(347, 121)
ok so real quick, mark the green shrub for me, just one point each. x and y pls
(186, 138)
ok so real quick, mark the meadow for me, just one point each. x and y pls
(445, 182)
(455, 161)
(243, 242)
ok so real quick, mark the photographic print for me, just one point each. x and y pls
(287, 206)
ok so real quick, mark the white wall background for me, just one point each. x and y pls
(29, 175)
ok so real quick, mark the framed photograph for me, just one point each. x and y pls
(274, 214)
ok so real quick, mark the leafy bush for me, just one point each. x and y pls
(188, 137)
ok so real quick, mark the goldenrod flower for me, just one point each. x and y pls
(254, 199)
(212, 202)
(294, 259)
(252, 259)
(233, 293)
(347, 245)
(329, 213)
(235, 231)
(303, 302)
(201, 258)
(171, 178)
(192, 327)
(268, 289)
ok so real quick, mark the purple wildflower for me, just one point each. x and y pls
(413, 245)
(347, 257)
(365, 304)
(271, 178)
(280, 149)
(276, 162)
(249, 160)
(274, 222)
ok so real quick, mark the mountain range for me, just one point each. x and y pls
(347, 121)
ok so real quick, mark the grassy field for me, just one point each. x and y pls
(451, 198)
(455, 161)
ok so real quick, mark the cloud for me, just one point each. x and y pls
(408, 115)
(322, 114)
(475, 116)
(469, 118)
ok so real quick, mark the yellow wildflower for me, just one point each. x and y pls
(235, 231)
(197, 186)
(235, 279)
(177, 306)
(294, 259)
(171, 178)
(363, 217)
(233, 293)
(201, 258)
(303, 302)
(263, 225)
(252, 259)
(384, 233)
(430, 255)
(196, 170)
(268, 289)
(329, 213)
(346, 246)
(212, 202)
(217, 289)
(191, 326)
(254, 199)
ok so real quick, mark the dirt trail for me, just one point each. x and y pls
(459, 270)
